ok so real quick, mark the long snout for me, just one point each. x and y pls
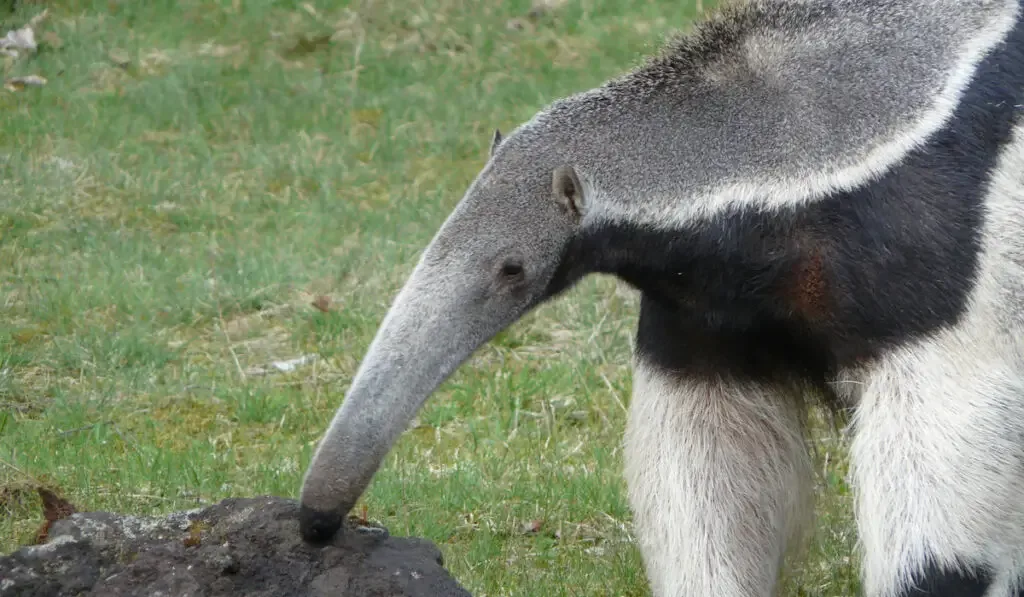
(433, 326)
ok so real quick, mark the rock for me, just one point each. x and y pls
(239, 547)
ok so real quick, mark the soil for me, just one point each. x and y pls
(247, 547)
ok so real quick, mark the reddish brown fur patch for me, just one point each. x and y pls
(809, 293)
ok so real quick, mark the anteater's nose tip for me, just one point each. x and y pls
(317, 526)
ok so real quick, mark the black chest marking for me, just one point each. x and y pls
(811, 289)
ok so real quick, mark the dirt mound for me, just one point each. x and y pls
(239, 547)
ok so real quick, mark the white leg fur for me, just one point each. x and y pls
(719, 479)
(938, 448)
(938, 457)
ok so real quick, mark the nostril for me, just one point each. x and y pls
(512, 269)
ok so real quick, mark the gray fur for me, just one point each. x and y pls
(770, 101)
(767, 104)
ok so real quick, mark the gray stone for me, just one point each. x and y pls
(240, 546)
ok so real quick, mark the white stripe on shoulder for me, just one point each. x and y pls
(769, 193)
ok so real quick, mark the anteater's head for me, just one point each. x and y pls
(502, 251)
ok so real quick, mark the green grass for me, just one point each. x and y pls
(196, 172)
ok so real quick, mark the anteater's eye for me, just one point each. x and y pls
(512, 269)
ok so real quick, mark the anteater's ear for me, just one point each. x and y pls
(568, 191)
(496, 141)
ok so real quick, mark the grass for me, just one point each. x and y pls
(197, 172)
